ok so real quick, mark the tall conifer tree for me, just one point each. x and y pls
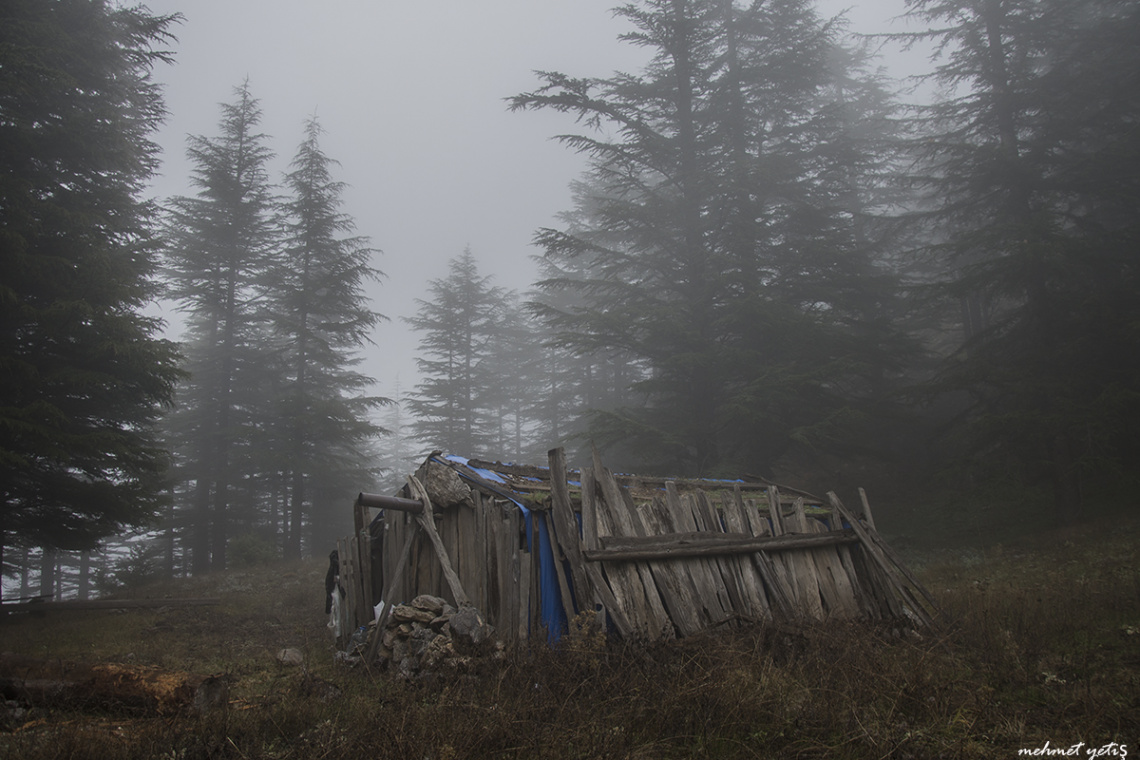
(321, 317)
(83, 374)
(725, 237)
(1031, 172)
(452, 402)
(222, 247)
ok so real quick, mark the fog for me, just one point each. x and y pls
(410, 96)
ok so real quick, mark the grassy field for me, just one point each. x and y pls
(1043, 647)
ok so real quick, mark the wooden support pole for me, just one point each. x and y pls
(427, 522)
(774, 512)
(892, 569)
(680, 545)
(867, 509)
(566, 526)
(379, 501)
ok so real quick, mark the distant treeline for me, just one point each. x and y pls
(773, 265)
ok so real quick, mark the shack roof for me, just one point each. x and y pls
(525, 482)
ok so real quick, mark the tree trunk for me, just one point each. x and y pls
(47, 573)
(296, 502)
(84, 585)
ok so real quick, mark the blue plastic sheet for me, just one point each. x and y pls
(552, 613)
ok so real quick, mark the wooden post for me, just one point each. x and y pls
(867, 509)
(890, 566)
(426, 520)
(567, 526)
(774, 511)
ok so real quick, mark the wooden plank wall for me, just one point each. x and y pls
(696, 581)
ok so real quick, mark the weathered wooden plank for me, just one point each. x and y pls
(890, 569)
(468, 564)
(870, 518)
(427, 522)
(691, 573)
(780, 596)
(481, 548)
(589, 509)
(600, 584)
(525, 592)
(535, 577)
(642, 586)
(864, 596)
(676, 512)
(752, 588)
(775, 511)
(693, 545)
(691, 505)
(740, 512)
(566, 524)
(446, 526)
(514, 587)
(498, 558)
(676, 586)
(365, 553)
(560, 571)
(836, 587)
(621, 578)
(801, 568)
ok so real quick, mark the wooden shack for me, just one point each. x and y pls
(533, 547)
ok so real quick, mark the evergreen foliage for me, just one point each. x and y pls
(273, 431)
(727, 238)
(320, 317)
(1030, 169)
(222, 248)
(83, 373)
(458, 325)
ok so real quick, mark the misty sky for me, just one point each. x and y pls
(410, 95)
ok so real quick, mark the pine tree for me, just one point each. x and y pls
(452, 403)
(1030, 166)
(83, 374)
(320, 318)
(222, 246)
(725, 239)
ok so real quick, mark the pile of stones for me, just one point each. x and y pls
(428, 635)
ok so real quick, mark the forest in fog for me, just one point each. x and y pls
(777, 262)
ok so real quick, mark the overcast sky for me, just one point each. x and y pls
(410, 95)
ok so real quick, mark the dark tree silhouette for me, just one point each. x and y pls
(83, 374)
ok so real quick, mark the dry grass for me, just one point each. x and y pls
(1044, 645)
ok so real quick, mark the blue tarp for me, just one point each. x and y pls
(553, 614)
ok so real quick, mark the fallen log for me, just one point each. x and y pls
(109, 685)
(105, 604)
